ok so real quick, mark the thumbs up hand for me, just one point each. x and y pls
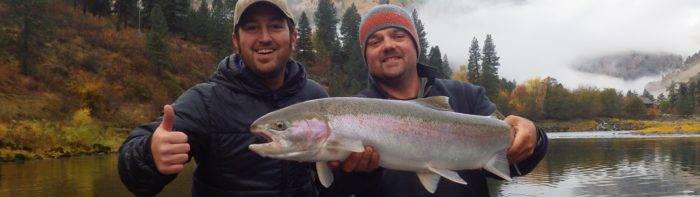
(169, 148)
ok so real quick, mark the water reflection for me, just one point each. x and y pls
(573, 167)
(613, 167)
(78, 176)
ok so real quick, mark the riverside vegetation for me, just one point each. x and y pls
(76, 75)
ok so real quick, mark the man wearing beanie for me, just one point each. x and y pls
(390, 46)
(211, 120)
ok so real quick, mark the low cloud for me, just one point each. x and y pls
(539, 38)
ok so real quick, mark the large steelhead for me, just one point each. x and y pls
(422, 135)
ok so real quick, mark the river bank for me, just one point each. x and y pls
(656, 126)
(40, 139)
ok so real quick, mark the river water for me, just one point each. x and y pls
(577, 164)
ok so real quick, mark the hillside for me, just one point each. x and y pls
(631, 65)
(691, 69)
(92, 84)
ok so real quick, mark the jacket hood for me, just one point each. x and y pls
(232, 74)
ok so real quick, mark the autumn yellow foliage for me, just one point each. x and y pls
(93, 85)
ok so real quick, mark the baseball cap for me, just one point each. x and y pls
(243, 5)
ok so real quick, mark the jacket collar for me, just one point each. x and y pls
(425, 72)
(233, 74)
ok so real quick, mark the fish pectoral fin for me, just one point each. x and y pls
(349, 145)
(498, 165)
(325, 175)
(448, 174)
(435, 102)
(429, 180)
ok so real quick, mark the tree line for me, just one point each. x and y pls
(540, 99)
(334, 58)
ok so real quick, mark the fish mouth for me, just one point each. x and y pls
(263, 136)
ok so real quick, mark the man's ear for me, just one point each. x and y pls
(234, 42)
(293, 38)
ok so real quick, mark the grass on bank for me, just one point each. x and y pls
(684, 126)
(80, 135)
(691, 125)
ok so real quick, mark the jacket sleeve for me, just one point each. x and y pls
(137, 169)
(483, 106)
(526, 166)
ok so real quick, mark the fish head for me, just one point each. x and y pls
(290, 136)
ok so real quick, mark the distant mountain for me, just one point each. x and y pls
(690, 69)
(631, 65)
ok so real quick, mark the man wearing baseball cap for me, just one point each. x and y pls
(211, 120)
(390, 46)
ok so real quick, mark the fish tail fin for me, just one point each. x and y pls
(498, 165)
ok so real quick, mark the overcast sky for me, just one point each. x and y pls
(539, 38)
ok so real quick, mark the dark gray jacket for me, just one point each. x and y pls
(216, 116)
(464, 98)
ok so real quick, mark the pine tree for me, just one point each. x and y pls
(684, 104)
(435, 60)
(156, 44)
(446, 69)
(230, 5)
(326, 31)
(219, 34)
(648, 95)
(175, 12)
(420, 29)
(473, 68)
(489, 68)
(304, 48)
(353, 68)
(35, 30)
(200, 22)
(349, 29)
(126, 10)
(100, 7)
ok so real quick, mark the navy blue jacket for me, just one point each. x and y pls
(216, 117)
(464, 98)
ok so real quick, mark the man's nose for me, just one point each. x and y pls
(265, 36)
(389, 45)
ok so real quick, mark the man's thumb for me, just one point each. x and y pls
(168, 118)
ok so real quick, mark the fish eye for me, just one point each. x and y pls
(280, 126)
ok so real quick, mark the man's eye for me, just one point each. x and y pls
(373, 43)
(249, 27)
(399, 35)
(277, 26)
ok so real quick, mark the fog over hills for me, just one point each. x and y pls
(690, 70)
(631, 65)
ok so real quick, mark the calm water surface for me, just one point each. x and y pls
(578, 164)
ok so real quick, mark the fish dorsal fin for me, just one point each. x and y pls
(497, 115)
(325, 176)
(429, 180)
(435, 102)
